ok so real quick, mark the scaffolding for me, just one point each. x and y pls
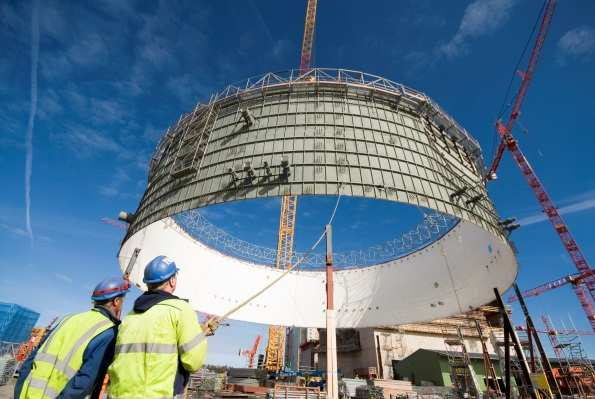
(488, 367)
(462, 374)
(195, 137)
(575, 368)
(8, 362)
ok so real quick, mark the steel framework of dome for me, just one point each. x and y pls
(325, 132)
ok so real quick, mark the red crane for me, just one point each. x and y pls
(540, 289)
(308, 40)
(114, 223)
(252, 352)
(585, 290)
(37, 334)
(559, 332)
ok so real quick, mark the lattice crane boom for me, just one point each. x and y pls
(276, 338)
(563, 331)
(585, 291)
(250, 354)
(308, 40)
(526, 80)
(550, 285)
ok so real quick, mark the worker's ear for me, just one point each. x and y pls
(118, 301)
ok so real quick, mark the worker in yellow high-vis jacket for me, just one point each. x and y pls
(160, 342)
(72, 360)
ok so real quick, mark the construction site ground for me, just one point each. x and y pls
(7, 390)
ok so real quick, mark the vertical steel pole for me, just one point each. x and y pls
(532, 366)
(507, 362)
(332, 383)
(545, 362)
(509, 330)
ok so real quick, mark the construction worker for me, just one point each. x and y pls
(72, 360)
(160, 342)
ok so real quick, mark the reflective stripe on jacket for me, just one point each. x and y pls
(150, 347)
(61, 355)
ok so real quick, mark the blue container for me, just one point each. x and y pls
(16, 322)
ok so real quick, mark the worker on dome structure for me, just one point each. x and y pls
(160, 342)
(72, 360)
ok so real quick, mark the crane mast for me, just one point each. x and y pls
(584, 291)
(276, 337)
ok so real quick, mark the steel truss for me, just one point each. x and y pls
(432, 227)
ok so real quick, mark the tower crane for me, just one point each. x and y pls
(558, 331)
(573, 279)
(252, 352)
(276, 337)
(114, 223)
(585, 290)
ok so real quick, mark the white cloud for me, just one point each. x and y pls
(281, 48)
(31, 120)
(88, 50)
(63, 277)
(482, 17)
(108, 191)
(187, 88)
(114, 187)
(17, 231)
(106, 111)
(584, 202)
(152, 134)
(84, 141)
(577, 43)
(53, 23)
(49, 104)
(15, 19)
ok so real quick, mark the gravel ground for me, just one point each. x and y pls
(7, 390)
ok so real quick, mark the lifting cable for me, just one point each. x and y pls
(288, 270)
(505, 105)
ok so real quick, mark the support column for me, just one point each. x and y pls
(511, 333)
(332, 383)
(533, 336)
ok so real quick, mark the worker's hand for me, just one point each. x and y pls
(210, 326)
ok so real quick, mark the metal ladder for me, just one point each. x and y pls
(461, 371)
(196, 135)
(489, 370)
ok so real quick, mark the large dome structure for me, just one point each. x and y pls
(324, 132)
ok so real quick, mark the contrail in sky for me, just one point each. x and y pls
(32, 112)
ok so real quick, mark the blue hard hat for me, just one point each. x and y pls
(110, 288)
(159, 269)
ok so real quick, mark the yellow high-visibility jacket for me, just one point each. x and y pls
(159, 343)
(61, 355)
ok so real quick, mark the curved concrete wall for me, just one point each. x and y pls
(453, 275)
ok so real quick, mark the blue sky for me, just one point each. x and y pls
(111, 76)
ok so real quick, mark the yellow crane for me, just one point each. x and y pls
(276, 338)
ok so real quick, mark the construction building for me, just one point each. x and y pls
(432, 367)
(384, 347)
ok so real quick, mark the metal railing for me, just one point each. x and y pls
(432, 227)
(295, 77)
